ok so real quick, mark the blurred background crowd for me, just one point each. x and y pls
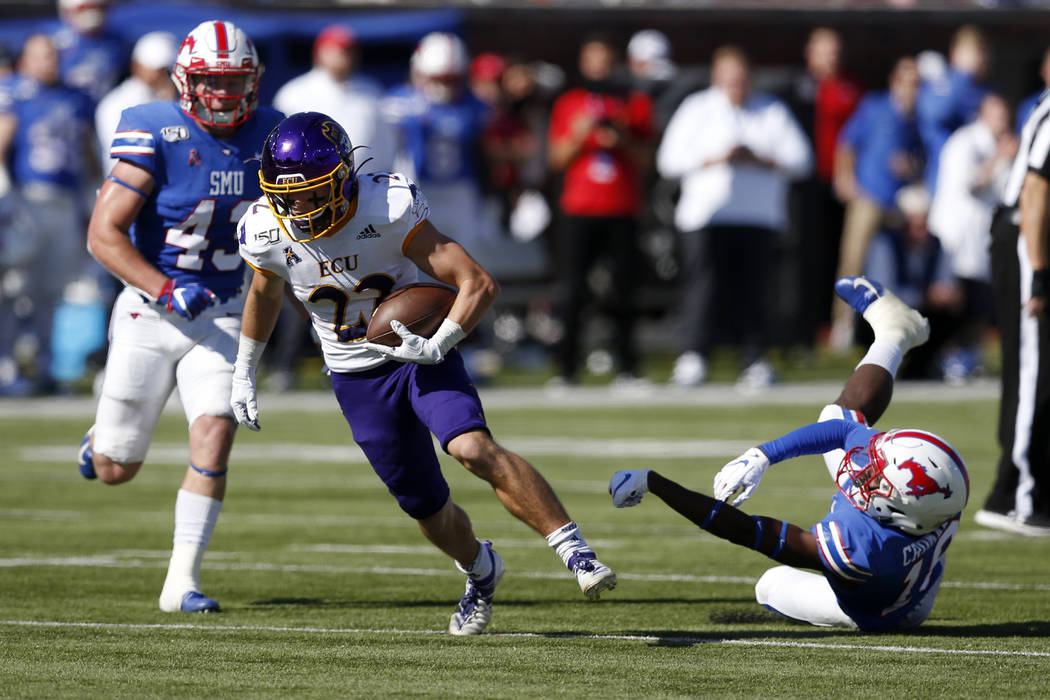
(647, 196)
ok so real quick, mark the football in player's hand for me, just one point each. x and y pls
(421, 307)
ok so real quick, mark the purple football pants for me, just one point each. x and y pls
(392, 410)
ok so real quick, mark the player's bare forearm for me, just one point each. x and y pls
(109, 242)
(119, 201)
(783, 542)
(443, 259)
(868, 390)
(1033, 205)
(262, 306)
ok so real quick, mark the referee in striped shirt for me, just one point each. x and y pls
(1020, 252)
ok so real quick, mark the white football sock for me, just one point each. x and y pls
(885, 354)
(566, 540)
(480, 567)
(195, 518)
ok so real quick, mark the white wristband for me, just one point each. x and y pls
(249, 352)
(448, 335)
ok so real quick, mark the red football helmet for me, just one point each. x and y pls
(913, 480)
(217, 73)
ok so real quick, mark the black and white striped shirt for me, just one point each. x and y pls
(1033, 153)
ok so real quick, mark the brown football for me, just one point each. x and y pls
(421, 307)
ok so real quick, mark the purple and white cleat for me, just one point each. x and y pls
(474, 611)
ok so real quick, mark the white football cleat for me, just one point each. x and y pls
(890, 318)
(592, 575)
(474, 611)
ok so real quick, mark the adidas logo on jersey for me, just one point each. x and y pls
(368, 232)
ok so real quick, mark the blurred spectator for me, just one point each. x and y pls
(438, 124)
(335, 86)
(735, 152)
(46, 136)
(599, 140)
(914, 266)
(150, 81)
(878, 152)
(975, 163)
(92, 57)
(1024, 109)
(513, 143)
(486, 75)
(649, 62)
(822, 98)
(950, 99)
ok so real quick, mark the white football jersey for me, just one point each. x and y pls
(340, 277)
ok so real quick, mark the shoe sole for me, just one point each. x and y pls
(998, 521)
(606, 583)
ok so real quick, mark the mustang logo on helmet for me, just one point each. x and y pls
(921, 483)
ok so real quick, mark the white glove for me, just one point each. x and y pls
(627, 487)
(416, 348)
(243, 397)
(741, 475)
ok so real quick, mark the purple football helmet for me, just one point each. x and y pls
(307, 174)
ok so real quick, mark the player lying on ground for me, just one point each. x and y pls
(343, 242)
(882, 546)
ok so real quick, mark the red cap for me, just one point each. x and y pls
(487, 66)
(335, 35)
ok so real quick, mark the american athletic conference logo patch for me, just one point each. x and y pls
(290, 256)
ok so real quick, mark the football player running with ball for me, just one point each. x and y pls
(881, 548)
(343, 241)
(165, 224)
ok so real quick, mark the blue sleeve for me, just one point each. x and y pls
(813, 439)
(855, 128)
(134, 140)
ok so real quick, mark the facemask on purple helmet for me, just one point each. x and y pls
(307, 173)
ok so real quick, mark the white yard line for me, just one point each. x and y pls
(648, 639)
(793, 393)
(312, 453)
(147, 560)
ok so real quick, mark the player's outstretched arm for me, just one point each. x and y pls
(778, 540)
(261, 307)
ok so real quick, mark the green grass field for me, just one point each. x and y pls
(328, 590)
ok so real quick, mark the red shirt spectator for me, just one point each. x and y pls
(837, 97)
(603, 179)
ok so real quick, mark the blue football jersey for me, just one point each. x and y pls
(437, 142)
(53, 123)
(882, 577)
(202, 187)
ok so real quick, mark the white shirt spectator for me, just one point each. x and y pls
(705, 127)
(961, 213)
(354, 103)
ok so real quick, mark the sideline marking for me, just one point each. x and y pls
(114, 561)
(527, 635)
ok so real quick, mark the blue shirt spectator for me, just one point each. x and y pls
(53, 122)
(90, 56)
(885, 140)
(951, 99)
